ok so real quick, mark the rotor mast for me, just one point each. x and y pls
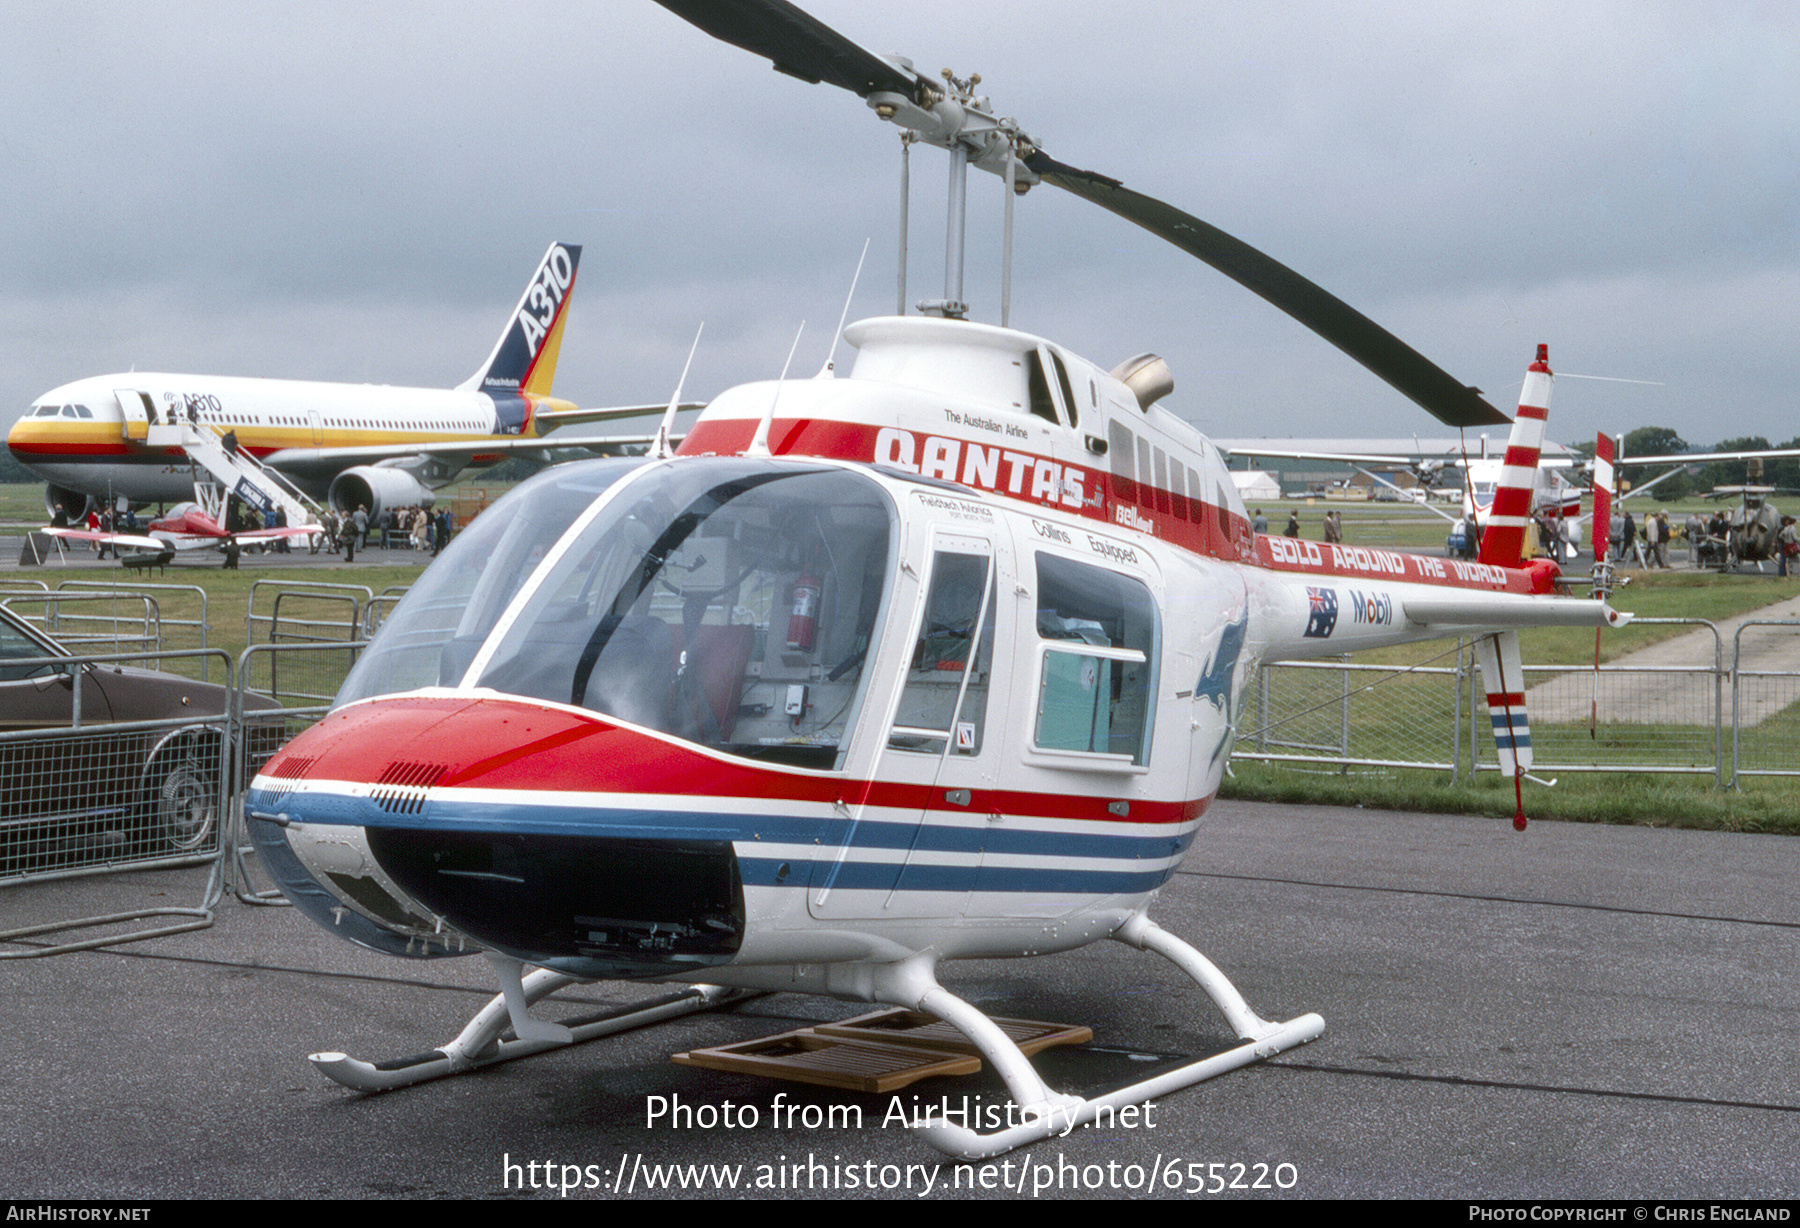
(962, 123)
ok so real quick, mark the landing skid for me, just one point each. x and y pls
(1048, 1112)
(479, 1043)
(910, 983)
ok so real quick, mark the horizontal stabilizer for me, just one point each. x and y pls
(549, 419)
(1508, 610)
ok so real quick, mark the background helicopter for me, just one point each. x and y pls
(1748, 532)
(941, 660)
(1745, 533)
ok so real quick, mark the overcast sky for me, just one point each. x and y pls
(360, 192)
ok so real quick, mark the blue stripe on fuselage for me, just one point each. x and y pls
(1107, 855)
(853, 875)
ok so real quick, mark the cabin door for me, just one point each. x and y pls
(915, 848)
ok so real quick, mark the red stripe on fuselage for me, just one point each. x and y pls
(1000, 469)
(1295, 554)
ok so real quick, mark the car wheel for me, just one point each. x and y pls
(181, 792)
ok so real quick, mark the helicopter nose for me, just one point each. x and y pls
(533, 831)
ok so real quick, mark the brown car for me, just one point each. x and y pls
(101, 794)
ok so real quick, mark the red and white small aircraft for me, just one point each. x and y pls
(938, 661)
(1554, 497)
(186, 526)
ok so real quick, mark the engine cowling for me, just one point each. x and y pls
(72, 502)
(376, 487)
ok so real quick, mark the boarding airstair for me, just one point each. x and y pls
(234, 471)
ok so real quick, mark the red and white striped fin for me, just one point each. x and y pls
(1503, 679)
(1509, 519)
(1603, 488)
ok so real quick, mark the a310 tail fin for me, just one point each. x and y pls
(1503, 541)
(524, 359)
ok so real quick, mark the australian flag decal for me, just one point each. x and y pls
(1324, 612)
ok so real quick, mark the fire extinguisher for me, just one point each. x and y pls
(804, 623)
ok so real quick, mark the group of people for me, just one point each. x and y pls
(1334, 525)
(424, 531)
(421, 529)
(105, 520)
(1649, 546)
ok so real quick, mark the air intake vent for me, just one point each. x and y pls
(288, 772)
(403, 786)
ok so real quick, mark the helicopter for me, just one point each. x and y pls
(1748, 532)
(941, 659)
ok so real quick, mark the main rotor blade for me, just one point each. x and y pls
(802, 46)
(798, 43)
(1326, 314)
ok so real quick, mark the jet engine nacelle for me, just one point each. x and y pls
(73, 503)
(376, 487)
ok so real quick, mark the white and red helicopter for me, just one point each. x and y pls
(937, 661)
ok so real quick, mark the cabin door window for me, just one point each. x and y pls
(943, 704)
(1097, 646)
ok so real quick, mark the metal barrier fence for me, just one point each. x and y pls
(182, 610)
(151, 617)
(303, 678)
(96, 618)
(306, 613)
(380, 606)
(83, 792)
(1765, 722)
(315, 613)
(1686, 706)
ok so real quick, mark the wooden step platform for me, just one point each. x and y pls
(875, 1053)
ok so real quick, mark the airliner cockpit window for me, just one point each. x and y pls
(728, 602)
(432, 636)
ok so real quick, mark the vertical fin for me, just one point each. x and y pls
(1603, 488)
(1603, 569)
(1509, 519)
(524, 359)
